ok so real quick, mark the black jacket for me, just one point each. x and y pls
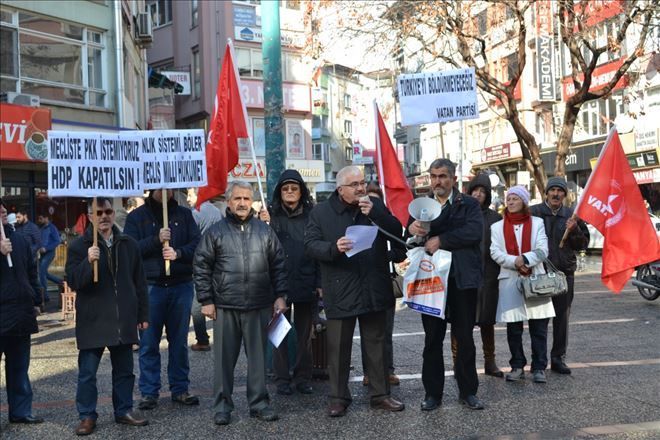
(304, 273)
(240, 265)
(360, 284)
(18, 285)
(107, 312)
(488, 292)
(144, 224)
(555, 226)
(460, 228)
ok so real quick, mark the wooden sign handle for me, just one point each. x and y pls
(165, 225)
(95, 226)
(566, 232)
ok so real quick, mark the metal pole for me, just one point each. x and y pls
(460, 158)
(272, 59)
(119, 63)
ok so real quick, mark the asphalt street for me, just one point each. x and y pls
(613, 393)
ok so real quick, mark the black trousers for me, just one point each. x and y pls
(462, 306)
(562, 306)
(538, 332)
(340, 344)
(302, 370)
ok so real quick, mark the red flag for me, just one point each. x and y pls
(612, 203)
(396, 190)
(228, 124)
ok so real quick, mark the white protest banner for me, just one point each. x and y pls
(88, 164)
(173, 158)
(438, 96)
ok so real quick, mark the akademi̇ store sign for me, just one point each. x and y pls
(310, 170)
(23, 133)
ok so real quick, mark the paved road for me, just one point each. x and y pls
(614, 391)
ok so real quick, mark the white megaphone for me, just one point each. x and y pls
(424, 210)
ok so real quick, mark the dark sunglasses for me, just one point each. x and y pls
(292, 188)
(107, 212)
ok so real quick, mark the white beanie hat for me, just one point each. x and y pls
(521, 192)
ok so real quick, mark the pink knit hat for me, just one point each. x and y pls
(521, 192)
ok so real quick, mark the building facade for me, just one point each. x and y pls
(71, 66)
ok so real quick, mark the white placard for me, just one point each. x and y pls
(173, 159)
(438, 96)
(87, 164)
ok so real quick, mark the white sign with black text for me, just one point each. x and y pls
(438, 96)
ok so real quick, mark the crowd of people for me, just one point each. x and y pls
(241, 268)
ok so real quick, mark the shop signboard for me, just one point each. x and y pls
(23, 133)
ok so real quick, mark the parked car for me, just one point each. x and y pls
(596, 238)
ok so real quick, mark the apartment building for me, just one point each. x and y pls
(65, 65)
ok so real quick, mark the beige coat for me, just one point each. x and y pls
(512, 306)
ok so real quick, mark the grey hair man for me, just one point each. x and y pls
(241, 281)
(356, 288)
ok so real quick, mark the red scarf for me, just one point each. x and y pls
(510, 236)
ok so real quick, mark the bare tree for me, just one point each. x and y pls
(449, 30)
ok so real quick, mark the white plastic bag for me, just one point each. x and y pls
(425, 281)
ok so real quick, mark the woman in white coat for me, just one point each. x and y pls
(519, 245)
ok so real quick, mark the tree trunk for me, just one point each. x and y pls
(565, 137)
(530, 150)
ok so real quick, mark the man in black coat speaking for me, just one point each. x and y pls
(109, 313)
(359, 287)
(241, 281)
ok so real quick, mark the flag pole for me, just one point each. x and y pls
(379, 150)
(245, 118)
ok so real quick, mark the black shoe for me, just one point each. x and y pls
(148, 402)
(430, 403)
(30, 420)
(222, 418)
(266, 414)
(304, 388)
(284, 389)
(559, 366)
(186, 399)
(472, 402)
(131, 420)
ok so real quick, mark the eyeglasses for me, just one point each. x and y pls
(292, 188)
(356, 185)
(107, 212)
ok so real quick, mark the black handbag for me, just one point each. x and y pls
(397, 286)
(543, 285)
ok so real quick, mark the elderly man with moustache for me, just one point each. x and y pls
(241, 282)
(558, 219)
(358, 288)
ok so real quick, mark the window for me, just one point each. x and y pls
(597, 117)
(511, 66)
(348, 154)
(194, 13)
(293, 4)
(317, 151)
(57, 60)
(482, 21)
(196, 74)
(347, 101)
(161, 12)
(348, 127)
(292, 67)
(249, 62)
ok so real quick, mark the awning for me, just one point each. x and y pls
(160, 81)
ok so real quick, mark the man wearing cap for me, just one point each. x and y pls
(558, 218)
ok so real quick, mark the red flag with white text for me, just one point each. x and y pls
(397, 192)
(612, 203)
(228, 124)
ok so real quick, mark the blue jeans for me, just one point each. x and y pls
(123, 380)
(538, 332)
(44, 276)
(169, 307)
(17, 361)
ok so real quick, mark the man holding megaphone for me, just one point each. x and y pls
(458, 229)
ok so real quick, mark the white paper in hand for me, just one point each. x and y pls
(278, 327)
(362, 236)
